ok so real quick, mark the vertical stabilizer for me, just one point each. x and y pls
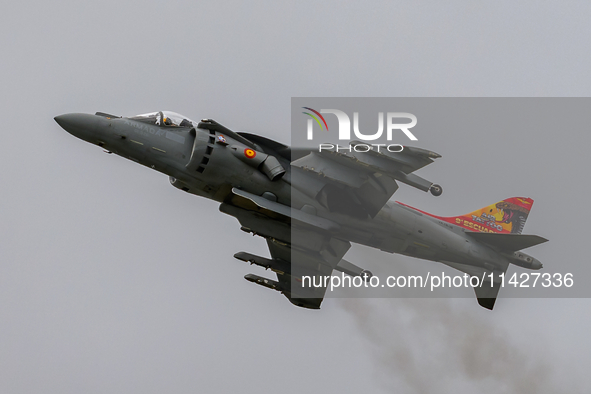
(505, 217)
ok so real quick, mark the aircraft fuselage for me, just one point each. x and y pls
(208, 163)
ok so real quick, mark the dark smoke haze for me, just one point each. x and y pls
(428, 345)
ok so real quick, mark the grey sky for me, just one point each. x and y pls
(113, 281)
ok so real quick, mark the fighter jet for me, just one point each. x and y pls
(310, 205)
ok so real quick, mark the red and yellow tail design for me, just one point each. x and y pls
(505, 217)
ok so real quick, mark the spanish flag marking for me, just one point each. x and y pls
(249, 153)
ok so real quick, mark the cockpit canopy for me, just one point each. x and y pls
(165, 118)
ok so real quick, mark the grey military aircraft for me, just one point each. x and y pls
(311, 205)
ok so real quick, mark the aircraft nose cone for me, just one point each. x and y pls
(74, 123)
(84, 126)
(63, 120)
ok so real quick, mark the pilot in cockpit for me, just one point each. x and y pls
(165, 118)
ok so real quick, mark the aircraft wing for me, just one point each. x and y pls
(359, 183)
(305, 266)
(301, 246)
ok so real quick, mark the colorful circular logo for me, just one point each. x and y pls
(249, 153)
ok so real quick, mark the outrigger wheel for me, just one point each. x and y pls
(366, 275)
(436, 190)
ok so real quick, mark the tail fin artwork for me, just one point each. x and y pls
(505, 217)
(498, 225)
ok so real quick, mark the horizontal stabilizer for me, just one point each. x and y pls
(508, 242)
